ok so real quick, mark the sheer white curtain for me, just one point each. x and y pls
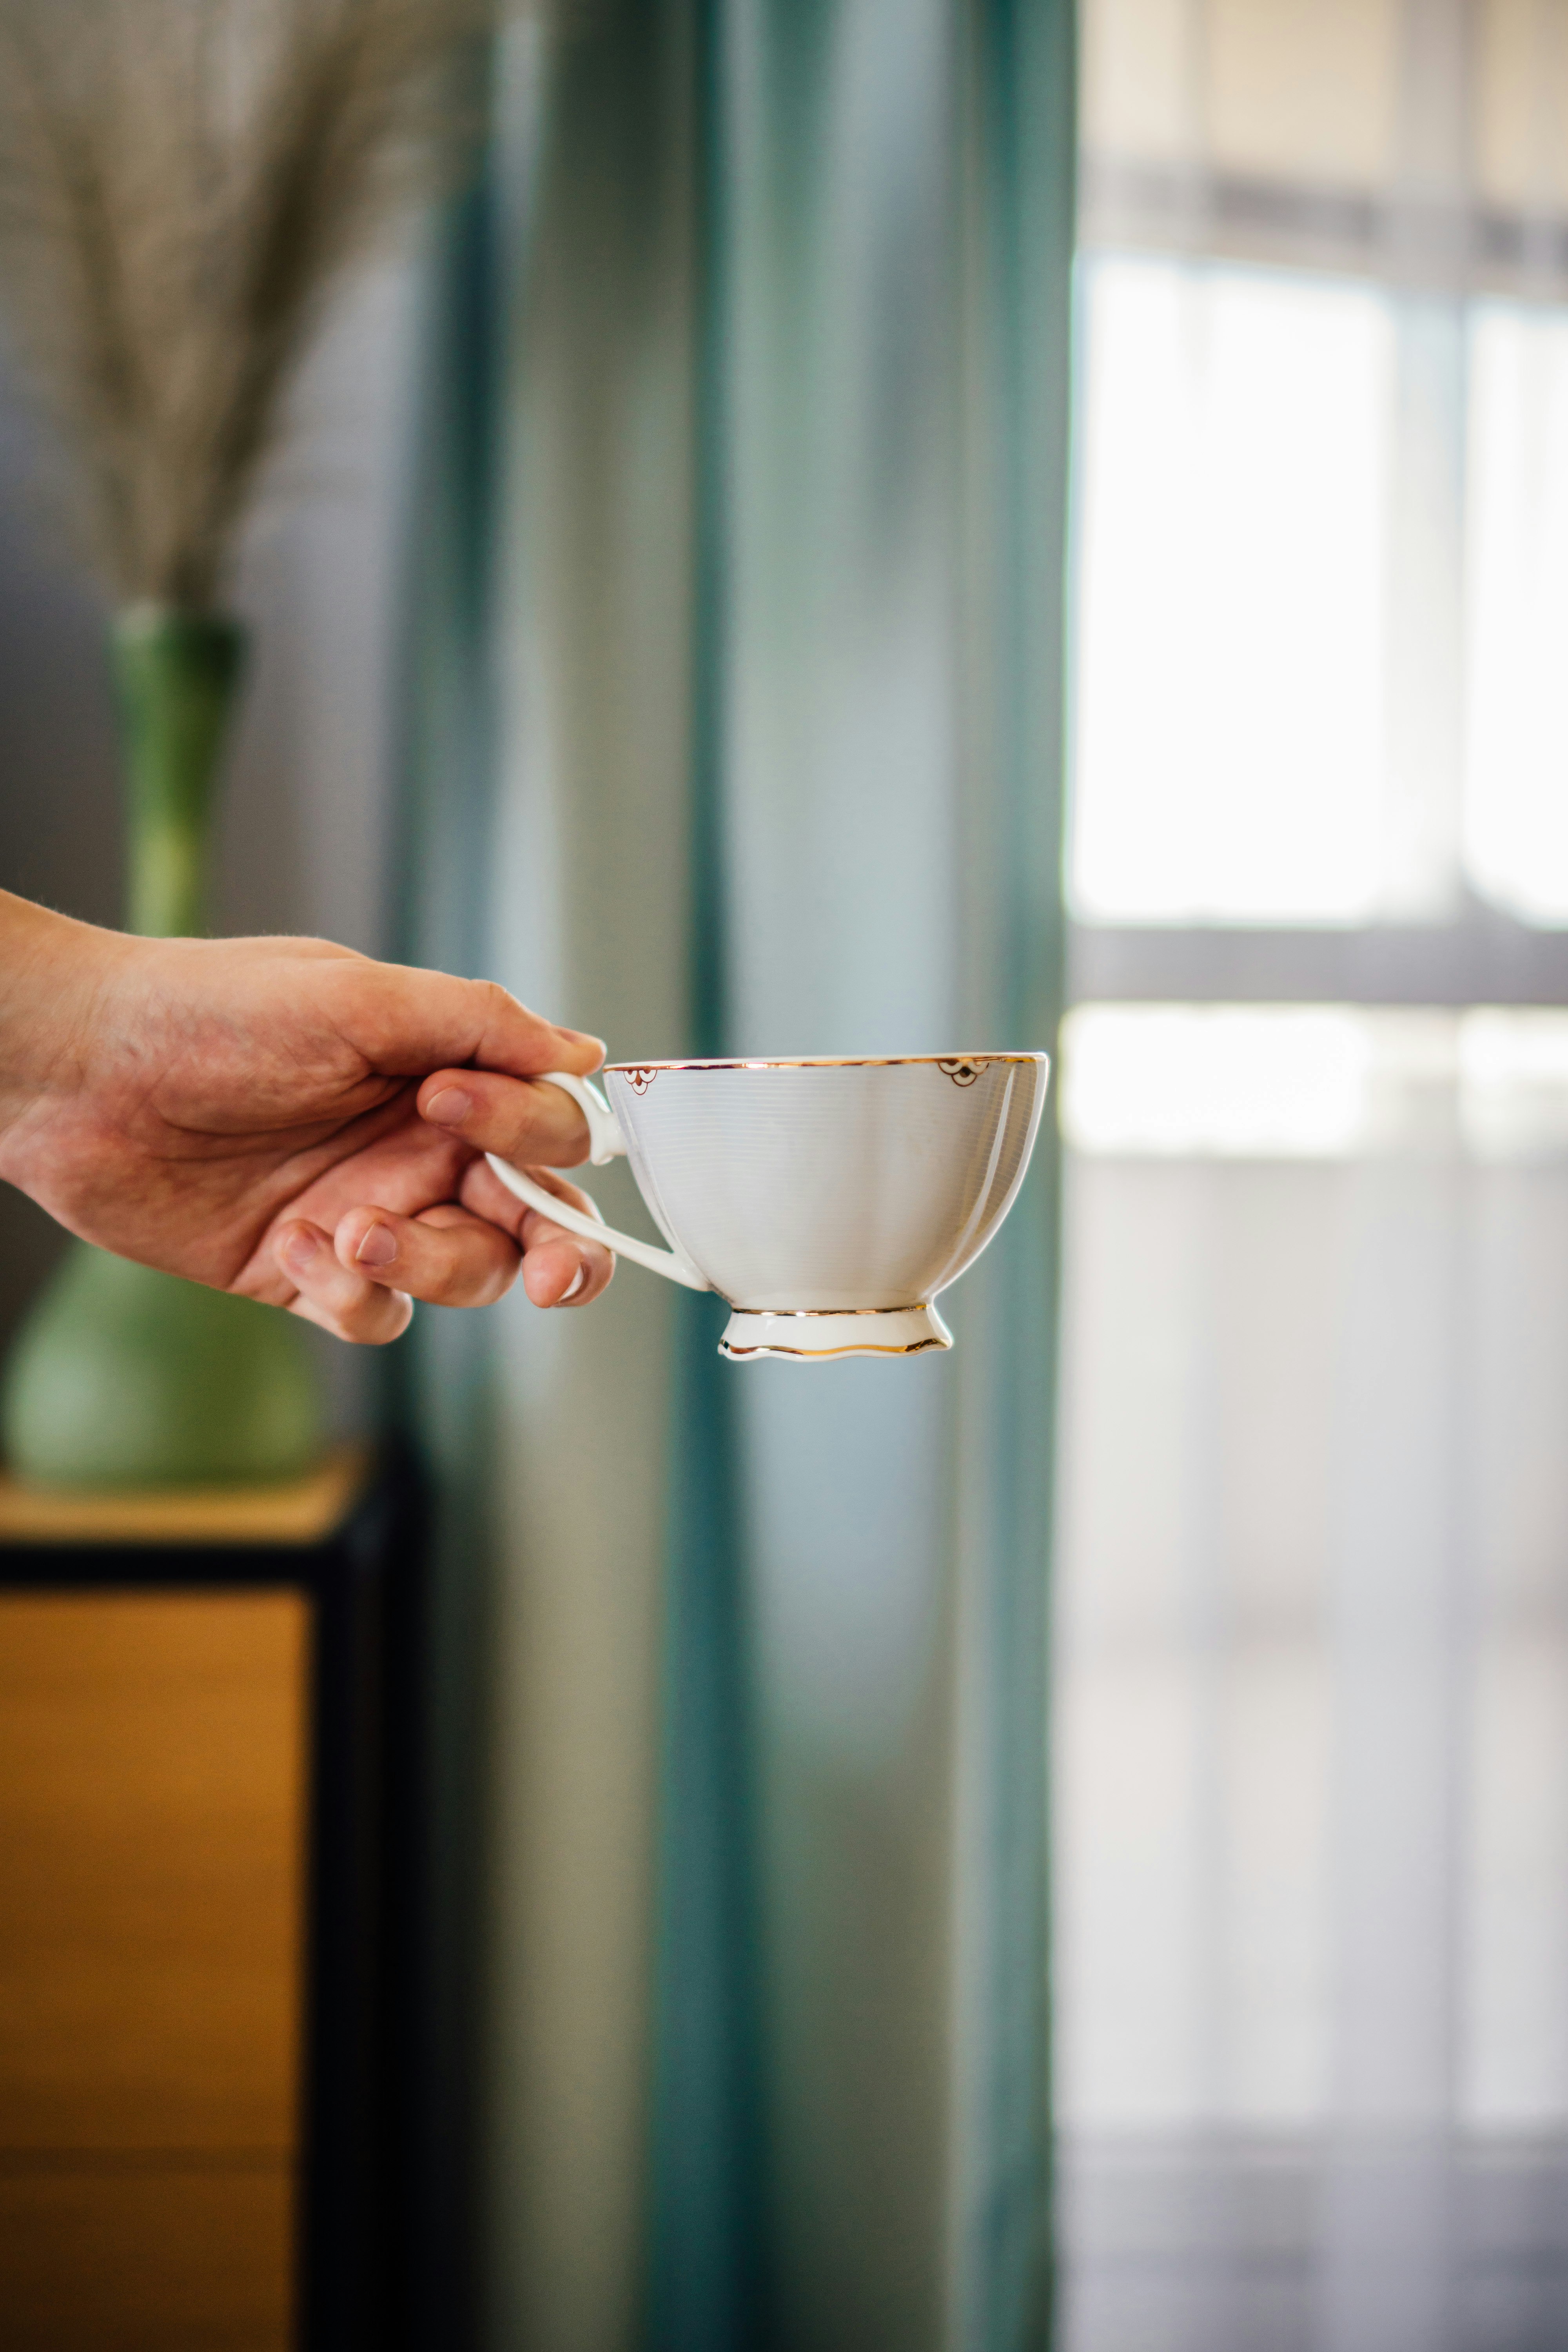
(1312, 1647)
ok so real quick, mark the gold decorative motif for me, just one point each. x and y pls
(640, 1077)
(963, 1072)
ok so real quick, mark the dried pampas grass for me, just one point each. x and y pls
(182, 183)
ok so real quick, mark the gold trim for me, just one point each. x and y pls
(821, 1062)
(821, 1355)
(915, 1306)
(940, 1337)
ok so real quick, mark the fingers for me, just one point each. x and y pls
(446, 1255)
(535, 1125)
(560, 1271)
(347, 1303)
(360, 1281)
(553, 1258)
(407, 1022)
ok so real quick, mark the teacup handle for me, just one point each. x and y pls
(606, 1143)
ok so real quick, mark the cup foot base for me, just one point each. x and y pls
(816, 1338)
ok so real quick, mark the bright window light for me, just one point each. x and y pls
(1314, 1081)
(1514, 1076)
(1516, 813)
(1216, 1081)
(1231, 595)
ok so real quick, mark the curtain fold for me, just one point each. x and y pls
(769, 646)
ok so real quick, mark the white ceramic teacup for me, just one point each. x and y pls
(827, 1200)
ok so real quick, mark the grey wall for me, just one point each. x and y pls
(303, 835)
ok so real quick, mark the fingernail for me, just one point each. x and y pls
(299, 1249)
(581, 1037)
(451, 1108)
(578, 1279)
(379, 1246)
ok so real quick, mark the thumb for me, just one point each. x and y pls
(406, 1023)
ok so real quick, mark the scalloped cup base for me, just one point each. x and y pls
(820, 1339)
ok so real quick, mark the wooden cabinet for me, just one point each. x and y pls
(151, 1844)
(170, 1814)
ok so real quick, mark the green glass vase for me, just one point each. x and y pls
(122, 1376)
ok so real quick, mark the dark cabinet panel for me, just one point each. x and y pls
(158, 2259)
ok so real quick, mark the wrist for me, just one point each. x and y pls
(53, 974)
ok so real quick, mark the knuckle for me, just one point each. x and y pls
(547, 1125)
(503, 1016)
(446, 1282)
(474, 1275)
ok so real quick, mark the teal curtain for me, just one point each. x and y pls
(737, 673)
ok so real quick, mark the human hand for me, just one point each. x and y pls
(247, 1112)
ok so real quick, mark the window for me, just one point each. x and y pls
(1232, 596)
(1313, 1650)
(1515, 610)
(1269, 686)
